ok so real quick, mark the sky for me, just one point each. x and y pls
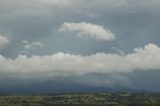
(79, 45)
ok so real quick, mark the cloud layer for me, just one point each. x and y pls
(146, 58)
(87, 29)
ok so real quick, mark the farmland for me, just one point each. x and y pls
(81, 99)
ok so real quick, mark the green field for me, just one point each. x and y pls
(99, 99)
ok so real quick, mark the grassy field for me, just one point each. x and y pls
(99, 99)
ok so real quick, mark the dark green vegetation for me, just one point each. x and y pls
(101, 99)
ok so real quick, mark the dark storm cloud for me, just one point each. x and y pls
(132, 82)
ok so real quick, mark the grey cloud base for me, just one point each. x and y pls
(115, 82)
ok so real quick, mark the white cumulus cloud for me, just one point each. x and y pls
(29, 45)
(146, 58)
(3, 39)
(88, 29)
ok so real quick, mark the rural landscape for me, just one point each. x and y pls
(97, 99)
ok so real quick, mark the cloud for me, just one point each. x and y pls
(3, 39)
(29, 45)
(58, 64)
(91, 15)
(88, 29)
(25, 42)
